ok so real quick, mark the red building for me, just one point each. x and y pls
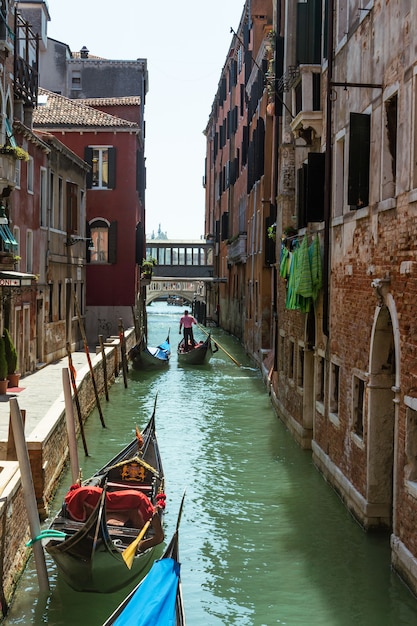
(111, 145)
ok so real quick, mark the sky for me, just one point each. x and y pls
(186, 44)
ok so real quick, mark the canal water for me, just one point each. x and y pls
(263, 539)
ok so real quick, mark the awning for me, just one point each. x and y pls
(16, 279)
(7, 236)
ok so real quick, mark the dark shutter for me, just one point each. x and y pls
(88, 237)
(359, 158)
(309, 25)
(88, 158)
(315, 187)
(225, 226)
(112, 168)
(113, 242)
(217, 231)
(140, 244)
(301, 196)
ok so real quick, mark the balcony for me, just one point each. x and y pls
(236, 250)
(7, 172)
(306, 103)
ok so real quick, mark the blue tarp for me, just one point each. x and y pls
(154, 600)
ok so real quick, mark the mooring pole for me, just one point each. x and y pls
(29, 493)
(69, 418)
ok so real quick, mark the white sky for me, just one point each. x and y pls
(185, 43)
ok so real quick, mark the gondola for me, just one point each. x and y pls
(198, 354)
(158, 598)
(144, 357)
(97, 551)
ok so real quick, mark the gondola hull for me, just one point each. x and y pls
(144, 357)
(198, 355)
(158, 598)
(90, 557)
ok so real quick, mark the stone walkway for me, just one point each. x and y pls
(38, 393)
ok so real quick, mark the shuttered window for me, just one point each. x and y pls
(359, 160)
(103, 167)
(309, 25)
(310, 190)
(225, 226)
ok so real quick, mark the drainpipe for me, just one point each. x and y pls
(328, 171)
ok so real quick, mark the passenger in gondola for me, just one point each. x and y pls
(186, 323)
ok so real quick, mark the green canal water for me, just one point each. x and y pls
(263, 539)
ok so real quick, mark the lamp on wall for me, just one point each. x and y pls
(73, 240)
(3, 216)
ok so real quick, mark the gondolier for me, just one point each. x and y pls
(187, 322)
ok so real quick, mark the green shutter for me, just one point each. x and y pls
(359, 160)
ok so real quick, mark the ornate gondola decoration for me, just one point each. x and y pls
(101, 518)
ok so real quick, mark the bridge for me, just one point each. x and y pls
(183, 268)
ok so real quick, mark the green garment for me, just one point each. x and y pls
(303, 283)
(316, 270)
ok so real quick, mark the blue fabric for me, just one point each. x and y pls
(154, 600)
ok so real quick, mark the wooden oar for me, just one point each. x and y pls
(129, 553)
(221, 347)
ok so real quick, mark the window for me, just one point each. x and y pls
(60, 223)
(99, 233)
(334, 388)
(17, 172)
(103, 167)
(320, 379)
(30, 174)
(291, 347)
(359, 160)
(43, 198)
(76, 79)
(29, 251)
(104, 237)
(411, 443)
(389, 151)
(52, 200)
(281, 353)
(358, 405)
(300, 366)
(72, 208)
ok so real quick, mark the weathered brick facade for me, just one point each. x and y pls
(339, 157)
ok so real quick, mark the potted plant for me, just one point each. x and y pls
(11, 359)
(14, 151)
(3, 368)
(147, 267)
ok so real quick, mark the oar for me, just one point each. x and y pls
(221, 347)
(129, 553)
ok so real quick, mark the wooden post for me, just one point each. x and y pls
(93, 379)
(123, 351)
(77, 400)
(11, 454)
(69, 418)
(104, 362)
(29, 494)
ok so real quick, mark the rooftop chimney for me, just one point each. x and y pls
(84, 52)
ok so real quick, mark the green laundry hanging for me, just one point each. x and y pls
(316, 268)
(303, 283)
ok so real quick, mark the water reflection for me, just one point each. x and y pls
(263, 539)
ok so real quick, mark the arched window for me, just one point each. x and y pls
(104, 237)
(99, 233)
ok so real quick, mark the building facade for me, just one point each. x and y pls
(340, 354)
